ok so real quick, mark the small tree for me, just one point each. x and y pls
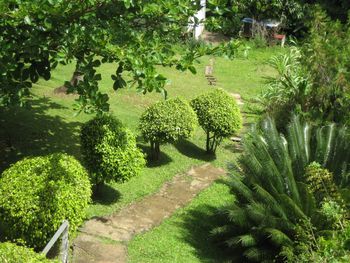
(167, 121)
(109, 150)
(37, 194)
(219, 116)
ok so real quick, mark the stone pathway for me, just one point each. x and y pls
(104, 239)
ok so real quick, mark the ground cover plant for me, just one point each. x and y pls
(37, 194)
(167, 122)
(109, 151)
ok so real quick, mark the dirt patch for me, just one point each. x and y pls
(140, 216)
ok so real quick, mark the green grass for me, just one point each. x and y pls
(185, 237)
(50, 126)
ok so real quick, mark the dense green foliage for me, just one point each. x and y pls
(226, 15)
(109, 150)
(315, 79)
(218, 115)
(11, 253)
(272, 192)
(37, 194)
(289, 90)
(326, 61)
(167, 121)
(332, 247)
(136, 35)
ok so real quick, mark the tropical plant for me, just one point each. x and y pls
(288, 90)
(37, 194)
(109, 151)
(167, 121)
(11, 253)
(272, 194)
(218, 115)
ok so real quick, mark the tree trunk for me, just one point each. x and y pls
(208, 142)
(155, 151)
(75, 79)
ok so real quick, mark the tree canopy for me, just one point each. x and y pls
(135, 35)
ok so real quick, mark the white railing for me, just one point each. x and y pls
(62, 230)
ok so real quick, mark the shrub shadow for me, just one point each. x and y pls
(106, 195)
(163, 158)
(33, 132)
(191, 150)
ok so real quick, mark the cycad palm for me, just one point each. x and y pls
(270, 188)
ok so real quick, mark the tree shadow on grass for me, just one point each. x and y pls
(33, 132)
(106, 195)
(197, 227)
(163, 158)
(191, 150)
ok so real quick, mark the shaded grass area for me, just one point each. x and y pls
(51, 126)
(185, 237)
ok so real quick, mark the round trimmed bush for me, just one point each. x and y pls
(167, 121)
(109, 150)
(11, 253)
(37, 194)
(219, 116)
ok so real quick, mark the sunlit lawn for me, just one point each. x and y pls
(50, 126)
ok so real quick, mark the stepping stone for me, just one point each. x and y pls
(236, 139)
(238, 98)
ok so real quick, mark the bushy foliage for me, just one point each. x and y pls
(326, 61)
(91, 33)
(226, 15)
(11, 253)
(271, 189)
(332, 247)
(37, 194)
(218, 115)
(109, 150)
(321, 183)
(288, 90)
(167, 121)
(313, 80)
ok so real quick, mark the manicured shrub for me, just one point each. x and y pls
(109, 150)
(167, 121)
(11, 253)
(218, 115)
(37, 194)
(274, 190)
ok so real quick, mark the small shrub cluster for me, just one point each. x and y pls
(166, 122)
(37, 194)
(218, 115)
(11, 253)
(109, 150)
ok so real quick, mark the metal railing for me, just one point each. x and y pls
(62, 230)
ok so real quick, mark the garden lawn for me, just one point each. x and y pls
(185, 237)
(51, 124)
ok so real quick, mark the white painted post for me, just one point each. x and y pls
(62, 230)
(200, 15)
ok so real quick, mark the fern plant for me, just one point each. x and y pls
(272, 194)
